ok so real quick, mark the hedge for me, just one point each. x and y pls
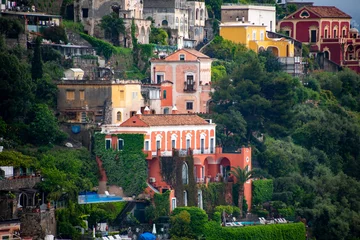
(291, 231)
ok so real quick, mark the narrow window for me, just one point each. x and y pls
(164, 94)
(158, 144)
(85, 12)
(122, 95)
(185, 174)
(107, 143)
(189, 105)
(185, 198)
(182, 57)
(211, 145)
(118, 116)
(83, 117)
(173, 143)
(344, 33)
(173, 203)
(147, 144)
(271, 26)
(120, 144)
(188, 144)
(70, 95)
(82, 95)
(335, 32)
(313, 36)
(326, 33)
(202, 145)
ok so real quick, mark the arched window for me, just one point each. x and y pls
(201, 14)
(197, 14)
(118, 116)
(164, 23)
(185, 174)
(304, 14)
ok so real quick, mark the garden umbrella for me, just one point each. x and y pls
(147, 236)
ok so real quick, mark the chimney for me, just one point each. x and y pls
(174, 110)
(147, 110)
(138, 114)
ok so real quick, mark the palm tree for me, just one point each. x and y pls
(241, 175)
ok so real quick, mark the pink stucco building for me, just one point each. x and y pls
(185, 80)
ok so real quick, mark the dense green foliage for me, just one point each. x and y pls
(10, 27)
(56, 34)
(198, 219)
(120, 166)
(113, 26)
(293, 231)
(262, 190)
(305, 136)
(104, 48)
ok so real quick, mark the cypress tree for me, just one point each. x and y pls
(36, 63)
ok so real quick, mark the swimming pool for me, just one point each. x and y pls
(250, 223)
(97, 198)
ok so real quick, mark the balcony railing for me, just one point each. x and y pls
(189, 88)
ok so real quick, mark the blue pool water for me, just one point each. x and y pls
(96, 198)
(250, 223)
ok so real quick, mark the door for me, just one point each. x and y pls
(313, 36)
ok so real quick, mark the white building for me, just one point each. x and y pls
(255, 14)
(185, 19)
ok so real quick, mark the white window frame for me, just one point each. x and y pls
(212, 146)
(159, 74)
(147, 148)
(188, 137)
(253, 35)
(262, 36)
(134, 95)
(108, 139)
(185, 198)
(173, 203)
(158, 138)
(173, 138)
(200, 199)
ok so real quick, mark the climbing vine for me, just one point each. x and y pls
(213, 195)
(171, 171)
(121, 166)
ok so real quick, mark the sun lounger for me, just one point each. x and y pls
(284, 220)
(238, 224)
(117, 236)
(229, 224)
(105, 238)
(111, 237)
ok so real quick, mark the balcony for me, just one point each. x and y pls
(204, 151)
(189, 88)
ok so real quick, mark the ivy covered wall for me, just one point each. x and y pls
(126, 168)
(171, 170)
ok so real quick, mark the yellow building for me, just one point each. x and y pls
(256, 39)
(126, 99)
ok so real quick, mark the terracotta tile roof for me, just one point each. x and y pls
(164, 120)
(328, 11)
(195, 53)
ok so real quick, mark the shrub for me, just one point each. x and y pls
(198, 219)
(294, 231)
(262, 190)
(180, 224)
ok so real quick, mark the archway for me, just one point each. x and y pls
(142, 34)
(327, 55)
(164, 23)
(225, 168)
(274, 51)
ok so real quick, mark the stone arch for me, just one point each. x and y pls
(164, 23)
(261, 49)
(327, 54)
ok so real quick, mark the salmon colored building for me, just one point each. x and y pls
(185, 133)
(184, 78)
(325, 29)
